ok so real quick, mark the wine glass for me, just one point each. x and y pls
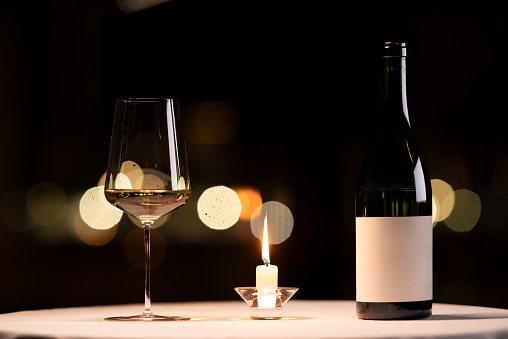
(147, 174)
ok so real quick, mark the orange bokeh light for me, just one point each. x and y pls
(92, 236)
(250, 199)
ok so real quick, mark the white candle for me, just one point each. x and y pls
(266, 276)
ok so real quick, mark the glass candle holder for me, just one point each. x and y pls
(266, 305)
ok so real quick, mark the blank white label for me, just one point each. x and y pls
(393, 259)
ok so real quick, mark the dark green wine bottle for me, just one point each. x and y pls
(393, 208)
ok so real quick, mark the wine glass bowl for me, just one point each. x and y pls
(147, 175)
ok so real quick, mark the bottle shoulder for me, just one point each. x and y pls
(393, 162)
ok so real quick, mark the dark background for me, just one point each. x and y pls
(301, 79)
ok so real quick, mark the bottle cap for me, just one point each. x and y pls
(393, 49)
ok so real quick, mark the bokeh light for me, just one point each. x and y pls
(130, 175)
(133, 247)
(443, 198)
(219, 207)
(122, 182)
(250, 199)
(46, 203)
(280, 221)
(151, 181)
(214, 122)
(500, 178)
(92, 236)
(466, 212)
(435, 211)
(96, 211)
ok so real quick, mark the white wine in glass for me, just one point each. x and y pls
(147, 174)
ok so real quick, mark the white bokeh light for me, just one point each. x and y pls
(280, 221)
(96, 211)
(219, 207)
(444, 196)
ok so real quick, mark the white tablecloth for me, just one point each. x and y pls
(230, 319)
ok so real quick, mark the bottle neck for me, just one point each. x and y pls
(392, 87)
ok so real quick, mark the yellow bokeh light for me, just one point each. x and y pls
(133, 247)
(444, 197)
(219, 207)
(151, 181)
(46, 203)
(96, 211)
(435, 210)
(182, 185)
(131, 175)
(250, 199)
(466, 213)
(122, 182)
(92, 236)
(280, 221)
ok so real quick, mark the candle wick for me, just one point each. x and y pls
(266, 262)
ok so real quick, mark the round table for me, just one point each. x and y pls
(230, 319)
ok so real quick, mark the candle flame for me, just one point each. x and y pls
(265, 253)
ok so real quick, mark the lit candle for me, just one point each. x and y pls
(266, 275)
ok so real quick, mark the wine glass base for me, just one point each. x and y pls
(143, 317)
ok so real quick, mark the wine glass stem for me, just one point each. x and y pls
(148, 299)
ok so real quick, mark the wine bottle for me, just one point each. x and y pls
(393, 207)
